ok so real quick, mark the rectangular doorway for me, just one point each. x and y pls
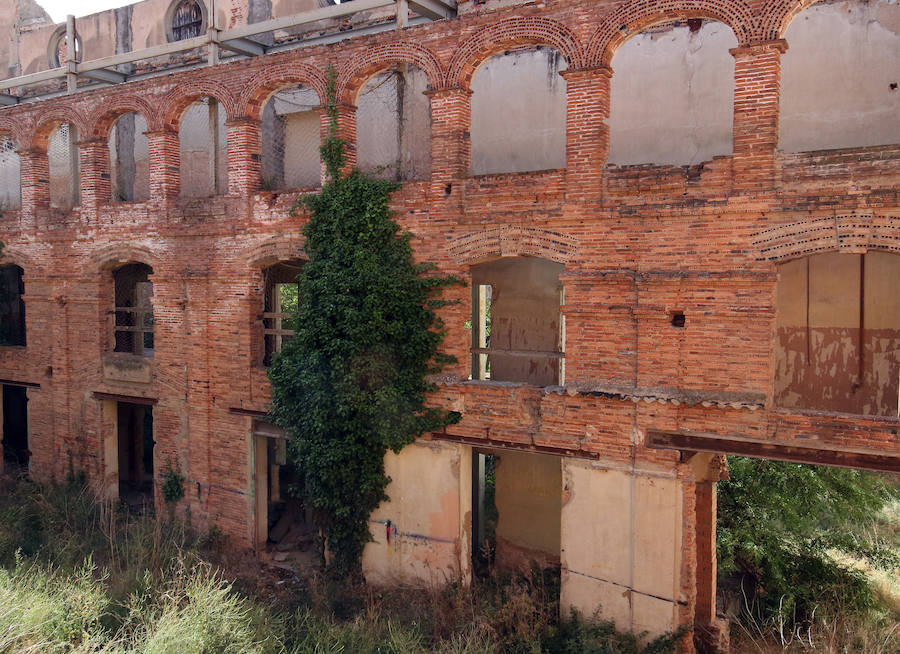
(15, 428)
(135, 454)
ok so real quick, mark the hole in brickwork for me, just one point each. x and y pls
(291, 137)
(671, 95)
(133, 309)
(280, 303)
(62, 155)
(519, 113)
(850, 43)
(12, 306)
(129, 159)
(393, 125)
(204, 150)
(677, 318)
(10, 176)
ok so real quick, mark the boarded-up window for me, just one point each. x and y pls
(62, 154)
(133, 310)
(129, 157)
(519, 113)
(12, 306)
(290, 141)
(204, 150)
(10, 176)
(393, 125)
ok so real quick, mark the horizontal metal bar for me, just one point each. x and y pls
(276, 315)
(497, 444)
(313, 16)
(24, 384)
(130, 399)
(278, 332)
(133, 329)
(244, 46)
(146, 53)
(239, 411)
(342, 36)
(9, 100)
(434, 9)
(544, 354)
(33, 78)
(104, 75)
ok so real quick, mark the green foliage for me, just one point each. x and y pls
(351, 383)
(779, 527)
(173, 485)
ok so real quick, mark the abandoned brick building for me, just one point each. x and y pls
(679, 221)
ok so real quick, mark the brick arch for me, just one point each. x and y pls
(15, 130)
(512, 241)
(14, 256)
(46, 122)
(632, 17)
(847, 232)
(511, 33)
(273, 250)
(176, 102)
(353, 78)
(113, 256)
(106, 115)
(270, 80)
(777, 16)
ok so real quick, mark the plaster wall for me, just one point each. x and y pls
(10, 176)
(422, 535)
(837, 74)
(621, 546)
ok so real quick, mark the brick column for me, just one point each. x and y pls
(347, 131)
(165, 161)
(757, 85)
(451, 145)
(705, 613)
(587, 133)
(35, 175)
(244, 146)
(94, 176)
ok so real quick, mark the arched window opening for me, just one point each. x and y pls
(185, 19)
(519, 113)
(204, 150)
(838, 333)
(133, 309)
(393, 125)
(672, 95)
(129, 157)
(518, 332)
(62, 155)
(12, 306)
(839, 77)
(10, 176)
(280, 304)
(291, 135)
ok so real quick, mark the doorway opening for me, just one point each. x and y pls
(15, 428)
(135, 445)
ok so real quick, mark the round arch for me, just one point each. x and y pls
(354, 78)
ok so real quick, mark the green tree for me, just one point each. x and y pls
(351, 383)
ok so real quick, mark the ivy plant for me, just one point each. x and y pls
(351, 383)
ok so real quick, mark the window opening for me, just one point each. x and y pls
(12, 306)
(62, 155)
(15, 427)
(203, 142)
(282, 293)
(129, 156)
(291, 135)
(135, 453)
(10, 176)
(187, 20)
(134, 310)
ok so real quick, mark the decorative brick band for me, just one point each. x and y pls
(513, 241)
(354, 77)
(852, 232)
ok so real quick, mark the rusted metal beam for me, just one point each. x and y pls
(778, 451)
(24, 384)
(492, 444)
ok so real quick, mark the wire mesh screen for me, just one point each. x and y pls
(10, 176)
(393, 125)
(290, 141)
(204, 150)
(134, 311)
(129, 159)
(519, 113)
(62, 153)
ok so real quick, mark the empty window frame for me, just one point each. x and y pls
(129, 159)
(837, 342)
(519, 113)
(203, 142)
(672, 95)
(12, 306)
(393, 125)
(10, 176)
(281, 302)
(62, 155)
(133, 330)
(526, 335)
(291, 135)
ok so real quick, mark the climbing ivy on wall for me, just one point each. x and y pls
(351, 383)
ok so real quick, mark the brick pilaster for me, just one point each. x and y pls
(347, 131)
(705, 612)
(587, 133)
(451, 145)
(757, 85)
(244, 147)
(94, 174)
(165, 159)
(35, 173)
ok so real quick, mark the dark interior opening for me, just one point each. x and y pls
(484, 514)
(12, 306)
(15, 427)
(135, 437)
(134, 309)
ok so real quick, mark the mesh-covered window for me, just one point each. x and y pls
(134, 311)
(12, 306)
(290, 141)
(393, 125)
(519, 113)
(62, 153)
(280, 305)
(204, 150)
(129, 159)
(10, 176)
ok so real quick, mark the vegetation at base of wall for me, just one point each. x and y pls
(800, 548)
(351, 382)
(173, 485)
(97, 579)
